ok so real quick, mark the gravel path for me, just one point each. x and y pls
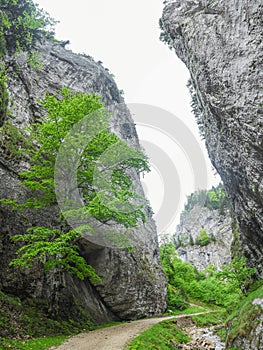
(112, 338)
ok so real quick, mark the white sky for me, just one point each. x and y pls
(124, 35)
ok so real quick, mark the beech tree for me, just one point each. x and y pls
(102, 198)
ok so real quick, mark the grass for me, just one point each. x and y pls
(189, 310)
(165, 335)
(162, 336)
(23, 323)
(209, 319)
(26, 327)
(106, 325)
(244, 317)
(31, 344)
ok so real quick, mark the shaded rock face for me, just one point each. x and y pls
(220, 42)
(217, 227)
(254, 335)
(133, 284)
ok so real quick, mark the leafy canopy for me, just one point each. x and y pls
(58, 247)
(21, 23)
(223, 287)
(215, 198)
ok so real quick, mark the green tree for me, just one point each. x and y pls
(22, 23)
(191, 240)
(185, 282)
(237, 273)
(58, 247)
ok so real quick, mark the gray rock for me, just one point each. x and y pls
(218, 228)
(221, 44)
(220, 41)
(133, 284)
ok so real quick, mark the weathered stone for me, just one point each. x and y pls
(221, 44)
(218, 228)
(253, 337)
(133, 284)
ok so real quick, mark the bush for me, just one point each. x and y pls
(203, 239)
(223, 288)
(176, 299)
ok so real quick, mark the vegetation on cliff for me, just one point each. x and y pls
(222, 288)
(57, 246)
(215, 198)
(20, 321)
(22, 23)
(201, 220)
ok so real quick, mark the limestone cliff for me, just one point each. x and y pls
(133, 284)
(220, 42)
(216, 249)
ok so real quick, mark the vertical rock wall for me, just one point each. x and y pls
(218, 228)
(133, 283)
(220, 41)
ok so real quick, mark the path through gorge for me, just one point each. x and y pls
(117, 337)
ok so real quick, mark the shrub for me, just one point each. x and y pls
(203, 239)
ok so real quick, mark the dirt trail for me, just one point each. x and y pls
(113, 338)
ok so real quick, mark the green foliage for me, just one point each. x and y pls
(21, 23)
(176, 300)
(62, 114)
(3, 95)
(209, 319)
(163, 336)
(53, 249)
(244, 316)
(12, 142)
(203, 239)
(31, 344)
(24, 319)
(102, 199)
(237, 274)
(215, 198)
(223, 288)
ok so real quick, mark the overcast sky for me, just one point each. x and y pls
(124, 35)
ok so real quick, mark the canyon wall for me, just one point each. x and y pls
(133, 283)
(220, 41)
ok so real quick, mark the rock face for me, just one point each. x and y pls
(220, 42)
(133, 284)
(253, 338)
(218, 229)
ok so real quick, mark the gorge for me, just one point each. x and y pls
(220, 42)
(133, 284)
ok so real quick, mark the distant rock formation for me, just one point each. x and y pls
(204, 235)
